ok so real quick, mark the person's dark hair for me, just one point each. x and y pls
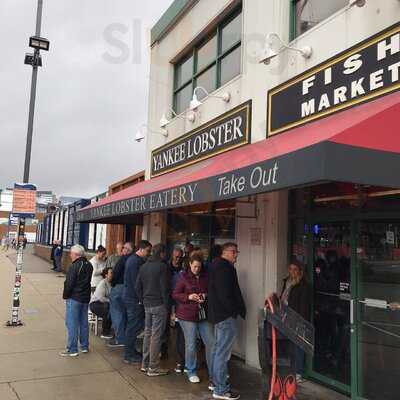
(189, 245)
(100, 249)
(228, 245)
(196, 257)
(215, 252)
(105, 272)
(297, 263)
(158, 250)
(143, 244)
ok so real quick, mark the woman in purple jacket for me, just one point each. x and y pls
(190, 294)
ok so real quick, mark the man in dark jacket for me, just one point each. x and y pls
(77, 296)
(225, 303)
(117, 304)
(53, 248)
(58, 252)
(134, 310)
(153, 291)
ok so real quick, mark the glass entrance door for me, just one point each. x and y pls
(378, 254)
(331, 265)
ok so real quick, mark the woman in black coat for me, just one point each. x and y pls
(296, 293)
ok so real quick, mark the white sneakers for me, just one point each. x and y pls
(194, 379)
(227, 396)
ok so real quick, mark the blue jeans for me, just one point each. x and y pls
(76, 321)
(135, 324)
(225, 334)
(118, 312)
(190, 330)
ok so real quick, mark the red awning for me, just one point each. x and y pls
(339, 147)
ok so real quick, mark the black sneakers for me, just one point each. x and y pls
(115, 343)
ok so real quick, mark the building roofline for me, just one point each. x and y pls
(130, 178)
(172, 15)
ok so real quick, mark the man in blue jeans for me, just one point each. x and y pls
(77, 296)
(225, 303)
(134, 310)
(117, 304)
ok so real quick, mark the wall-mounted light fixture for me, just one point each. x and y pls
(358, 3)
(164, 121)
(143, 131)
(195, 103)
(269, 53)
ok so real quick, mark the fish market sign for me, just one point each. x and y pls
(364, 72)
(224, 133)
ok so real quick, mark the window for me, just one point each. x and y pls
(309, 13)
(212, 63)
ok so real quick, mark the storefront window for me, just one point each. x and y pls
(201, 228)
(210, 64)
(378, 253)
(338, 195)
(311, 12)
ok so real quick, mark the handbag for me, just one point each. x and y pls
(202, 313)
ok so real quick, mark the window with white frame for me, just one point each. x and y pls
(91, 236)
(210, 64)
(311, 12)
(100, 235)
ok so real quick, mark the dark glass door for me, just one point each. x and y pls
(378, 254)
(332, 300)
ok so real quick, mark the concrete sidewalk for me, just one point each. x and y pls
(31, 369)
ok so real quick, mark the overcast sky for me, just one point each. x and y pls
(91, 94)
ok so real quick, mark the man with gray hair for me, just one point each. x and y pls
(77, 296)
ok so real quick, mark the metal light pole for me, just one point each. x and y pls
(35, 66)
(37, 43)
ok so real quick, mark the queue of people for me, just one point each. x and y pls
(7, 242)
(138, 289)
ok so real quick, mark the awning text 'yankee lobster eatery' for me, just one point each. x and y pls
(360, 146)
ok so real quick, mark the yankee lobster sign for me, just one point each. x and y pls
(224, 133)
(364, 72)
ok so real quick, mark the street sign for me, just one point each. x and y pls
(24, 200)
